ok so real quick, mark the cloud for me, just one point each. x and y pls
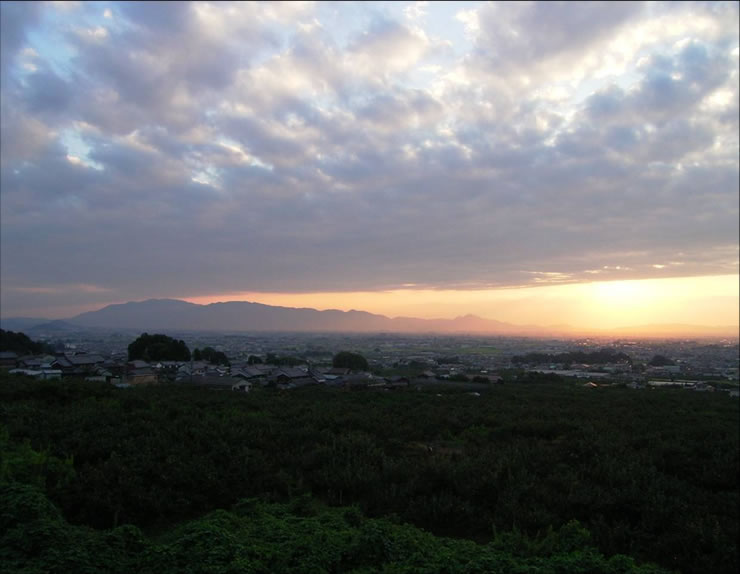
(525, 40)
(16, 18)
(386, 48)
(206, 147)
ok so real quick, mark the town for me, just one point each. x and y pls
(244, 361)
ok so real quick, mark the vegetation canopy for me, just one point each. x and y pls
(21, 344)
(530, 476)
(211, 355)
(348, 360)
(158, 348)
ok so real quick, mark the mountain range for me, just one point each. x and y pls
(236, 316)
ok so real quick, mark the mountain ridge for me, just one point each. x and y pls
(246, 316)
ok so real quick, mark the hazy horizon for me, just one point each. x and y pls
(159, 318)
(532, 163)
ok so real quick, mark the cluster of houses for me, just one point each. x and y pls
(237, 377)
(90, 366)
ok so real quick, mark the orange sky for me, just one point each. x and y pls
(710, 300)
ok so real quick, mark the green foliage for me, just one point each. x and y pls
(273, 359)
(260, 537)
(349, 360)
(21, 463)
(158, 348)
(517, 464)
(254, 360)
(21, 344)
(211, 355)
(660, 361)
(35, 538)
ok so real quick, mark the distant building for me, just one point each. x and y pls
(8, 359)
(45, 374)
(80, 364)
(144, 376)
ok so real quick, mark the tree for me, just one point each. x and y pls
(211, 355)
(660, 361)
(254, 360)
(348, 360)
(287, 361)
(21, 344)
(158, 348)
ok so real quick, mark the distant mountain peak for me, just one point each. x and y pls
(175, 314)
(242, 316)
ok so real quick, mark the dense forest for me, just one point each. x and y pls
(552, 477)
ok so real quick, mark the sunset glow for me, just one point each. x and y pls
(535, 163)
(599, 305)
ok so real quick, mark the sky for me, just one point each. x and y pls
(541, 163)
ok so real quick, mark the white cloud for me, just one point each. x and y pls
(470, 19)
(599, 141)
(416, 11)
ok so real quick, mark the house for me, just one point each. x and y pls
(287, 375)
(313, 373)
(249, 374)
(29, 362)
(196, 368)
(243, 386)
(45, 374)
(397, 381)
(168, 366)
(144, 376)
(337, 372)
(8, 358)
(86, 361)
(137, 364)
(80, 364)
(64, 364)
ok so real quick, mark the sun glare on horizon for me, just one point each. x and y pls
(411, 159)
(710, 300)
